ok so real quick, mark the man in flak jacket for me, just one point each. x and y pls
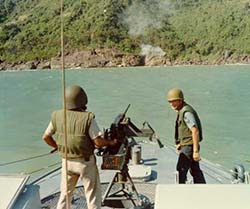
(188, 134)
(83, 135)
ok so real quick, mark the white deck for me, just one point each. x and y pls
(10, 188)
(162, 163)
(158, 168)
(221, 196)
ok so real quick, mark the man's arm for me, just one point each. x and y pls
(47, 136)
(192, 125)
(195, 137)
(102, 142)
(49, 140)
(97, 135)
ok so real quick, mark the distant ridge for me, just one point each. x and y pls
(187, 31)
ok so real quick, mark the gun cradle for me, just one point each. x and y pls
(115, 158)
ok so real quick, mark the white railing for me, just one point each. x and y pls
(247, 177)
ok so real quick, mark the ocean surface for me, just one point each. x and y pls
(220, 94)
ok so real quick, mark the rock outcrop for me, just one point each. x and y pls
(81, 59)
(106, 57)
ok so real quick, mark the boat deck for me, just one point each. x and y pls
(79, 201)
(161, 162)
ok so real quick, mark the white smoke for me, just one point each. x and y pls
(151, 51)
(146, 14)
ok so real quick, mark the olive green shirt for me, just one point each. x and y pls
(183, 134)
(79, 143)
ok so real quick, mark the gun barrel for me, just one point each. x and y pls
(126, 109)
(119, 118)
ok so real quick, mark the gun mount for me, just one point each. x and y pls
(117, 158)
(122, 129)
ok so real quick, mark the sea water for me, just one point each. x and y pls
(220, 94)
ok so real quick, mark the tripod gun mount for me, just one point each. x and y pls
(122, 129)
(117, 158)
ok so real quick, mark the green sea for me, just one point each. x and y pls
(220, 94)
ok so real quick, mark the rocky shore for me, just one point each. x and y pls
(104, 58)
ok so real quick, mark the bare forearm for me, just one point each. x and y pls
(195, 137)
(50, 141)
(102, 142)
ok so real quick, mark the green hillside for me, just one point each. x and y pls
(184, 29)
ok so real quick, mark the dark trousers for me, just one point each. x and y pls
(186, 162)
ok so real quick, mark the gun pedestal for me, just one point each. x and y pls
(121, 192)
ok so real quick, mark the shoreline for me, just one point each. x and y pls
(113, 58)
(128, 67)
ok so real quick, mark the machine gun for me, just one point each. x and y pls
(122, 129)
(118, 156)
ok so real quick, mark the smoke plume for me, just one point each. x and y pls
(151, 51)
(146, 14)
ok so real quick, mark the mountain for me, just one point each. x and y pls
(180, 30)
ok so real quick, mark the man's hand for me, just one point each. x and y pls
(53, 150)
(196, 156)
(113, 142)
(102, 142)
(178, 147)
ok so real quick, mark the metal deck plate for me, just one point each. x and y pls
(79, 201)
(202, 196)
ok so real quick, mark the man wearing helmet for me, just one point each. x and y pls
(188, 134)
(83, 135)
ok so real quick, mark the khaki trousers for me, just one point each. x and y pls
(87, 171)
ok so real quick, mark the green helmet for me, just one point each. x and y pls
(75, 97)
(175, 94)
